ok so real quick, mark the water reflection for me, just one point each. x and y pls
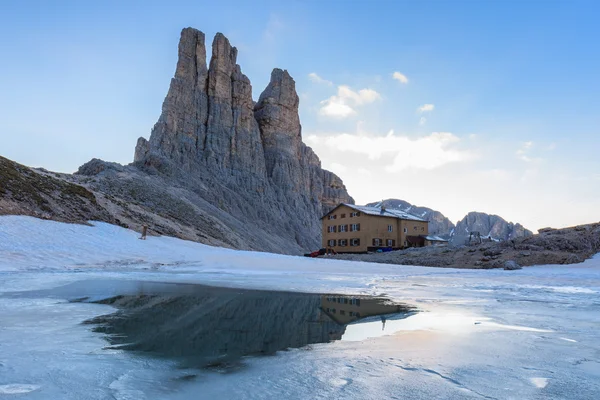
(204, 325)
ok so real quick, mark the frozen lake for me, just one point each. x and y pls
(527, 334)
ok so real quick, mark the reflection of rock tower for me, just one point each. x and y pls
(215, 324)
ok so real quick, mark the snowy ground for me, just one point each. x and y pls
(528, 334)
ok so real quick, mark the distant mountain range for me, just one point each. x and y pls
(487, 225)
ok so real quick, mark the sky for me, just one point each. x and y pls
(455, 105)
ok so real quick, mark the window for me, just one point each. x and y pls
(342, 312)
(405, 230)
(355, 214)
(355, 302)
(415, 228)
(343, 228)
(354, 227)
(331, 242)
(390, 228)
(332, 216)
(343, 242)
(390, 242)
(343, 216)
(331, 229)
(405, 243)
(354, 242)
(422, 229)
(377, 242)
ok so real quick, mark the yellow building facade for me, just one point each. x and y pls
(358, 229)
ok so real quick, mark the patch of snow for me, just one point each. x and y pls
(539, 383)
(17, 388)
(568, 340)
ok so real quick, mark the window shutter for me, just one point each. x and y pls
(394, 242)
(358, 242)
(334, 228)
(373, 241)
(358, 227)
(346, 228)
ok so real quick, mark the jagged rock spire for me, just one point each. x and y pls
(210, 128)
(181, 127)
(207, 116)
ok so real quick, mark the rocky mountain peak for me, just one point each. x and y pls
(191, 62)
(222, 66)
(277, 115)
(489, 225)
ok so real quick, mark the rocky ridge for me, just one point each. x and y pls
(44, 194)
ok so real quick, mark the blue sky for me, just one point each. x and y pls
(494, 105)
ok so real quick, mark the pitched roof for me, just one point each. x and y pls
(382, 213)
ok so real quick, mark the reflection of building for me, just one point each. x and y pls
(354, 229)
(346, 309)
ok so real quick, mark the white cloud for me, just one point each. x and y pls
(341, 105)
(334, 108)
(317, 79)
(401, 152)
(422, 121)
(522, 152)
(426, 108)
(361, 97)
(400, 77)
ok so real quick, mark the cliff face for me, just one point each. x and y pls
(247, 158)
